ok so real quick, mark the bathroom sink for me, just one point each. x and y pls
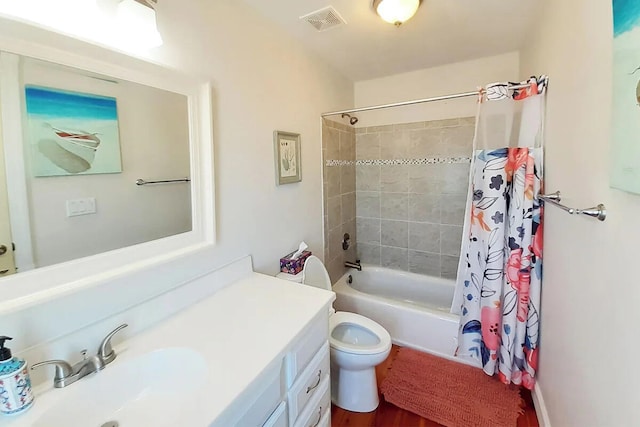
(150, 390)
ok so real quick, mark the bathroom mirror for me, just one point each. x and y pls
(79, 126)
(87, 139)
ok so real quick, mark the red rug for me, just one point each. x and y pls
(450, 393)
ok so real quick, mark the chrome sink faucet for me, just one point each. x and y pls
(66, 374)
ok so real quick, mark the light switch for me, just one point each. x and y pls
(81, 206)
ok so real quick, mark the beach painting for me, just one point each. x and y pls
(72, 133)
(625, 153)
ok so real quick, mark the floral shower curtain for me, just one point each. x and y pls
(500, 272)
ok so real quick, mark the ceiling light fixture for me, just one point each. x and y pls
(138, 18)
(396, 12)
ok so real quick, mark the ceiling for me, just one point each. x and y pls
(442, 32)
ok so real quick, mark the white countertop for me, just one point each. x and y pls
(240, 331)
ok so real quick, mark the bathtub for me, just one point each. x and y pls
(412, 307)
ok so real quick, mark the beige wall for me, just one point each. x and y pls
(591, 294)
(264, 80)
(446, 79)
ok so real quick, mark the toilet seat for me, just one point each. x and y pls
(342, 317)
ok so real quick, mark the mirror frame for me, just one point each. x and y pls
(36, 286)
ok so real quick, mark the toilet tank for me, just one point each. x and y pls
(313, 274)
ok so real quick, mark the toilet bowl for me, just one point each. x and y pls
(357, 346)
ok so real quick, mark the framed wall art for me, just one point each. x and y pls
(625, 149)
(287, 154)
(72, 133)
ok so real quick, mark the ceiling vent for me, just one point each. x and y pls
(324, 19)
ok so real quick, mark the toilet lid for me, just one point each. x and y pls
(367, 327)
(314, 274)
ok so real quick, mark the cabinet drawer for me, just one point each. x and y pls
(314, 412)
(306, 348)
(308, 383)
(278, 418)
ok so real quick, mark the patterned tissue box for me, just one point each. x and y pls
(293, 266)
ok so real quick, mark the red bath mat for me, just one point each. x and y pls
(450, 393)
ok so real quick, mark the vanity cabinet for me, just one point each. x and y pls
(317, 413)
(266, 405)
(308, 375)
(279, 418)
(297, 394)
(309, 386)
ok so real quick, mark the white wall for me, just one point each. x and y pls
(154, 142)
(591, 294)
(263, 80)
(437, 81)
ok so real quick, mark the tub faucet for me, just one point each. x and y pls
(355, 265)
(66, 374)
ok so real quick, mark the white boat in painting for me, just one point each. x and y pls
(78, 137)
(79, 143)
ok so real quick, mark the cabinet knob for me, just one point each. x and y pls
(3, 250)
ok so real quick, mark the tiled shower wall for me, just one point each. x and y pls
(411, 184)
(338, 155)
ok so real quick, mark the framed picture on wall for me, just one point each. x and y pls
(625, 150)
(72, 133)
(287, 154)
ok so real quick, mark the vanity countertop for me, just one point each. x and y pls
(241, 331)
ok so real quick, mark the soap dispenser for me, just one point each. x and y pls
(16, 395)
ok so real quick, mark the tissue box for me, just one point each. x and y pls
(293, 266)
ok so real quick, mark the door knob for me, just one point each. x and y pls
(3, 250)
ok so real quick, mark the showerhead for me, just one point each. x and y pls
(352, 119)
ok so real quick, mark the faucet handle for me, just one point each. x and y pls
(63, 369)
(105, 351)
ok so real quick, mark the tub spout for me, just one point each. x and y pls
(355, 265)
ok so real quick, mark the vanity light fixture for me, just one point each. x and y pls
(138, 19)
(396, 12)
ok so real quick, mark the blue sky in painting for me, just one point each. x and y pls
(626, 15)
(55, 103)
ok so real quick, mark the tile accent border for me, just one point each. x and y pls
(395, 162)
(331, 163)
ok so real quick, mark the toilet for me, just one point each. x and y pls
(358, 345)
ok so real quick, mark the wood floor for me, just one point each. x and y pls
(388, 415)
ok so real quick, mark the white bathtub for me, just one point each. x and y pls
(412, 307)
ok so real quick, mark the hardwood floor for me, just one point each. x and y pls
(388, 415)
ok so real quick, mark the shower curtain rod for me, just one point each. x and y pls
(418, 101)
